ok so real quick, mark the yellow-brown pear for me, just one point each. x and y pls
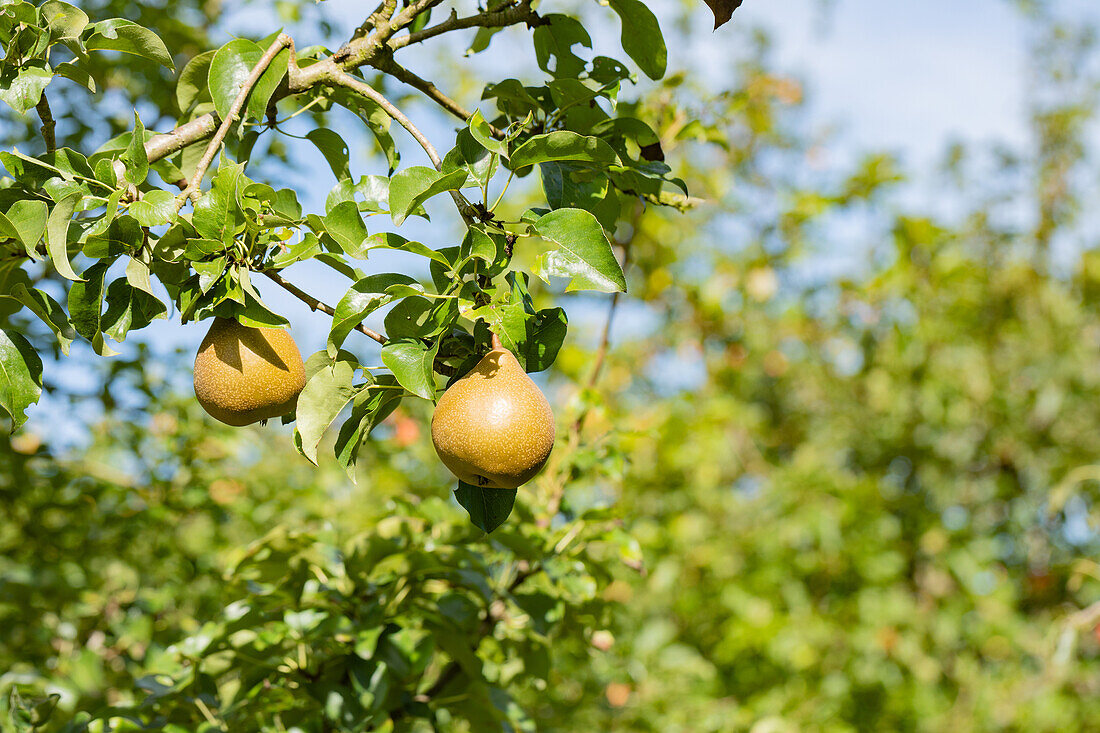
(245, 374)
(494, 427)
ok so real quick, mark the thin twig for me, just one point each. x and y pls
(361, 50)
(361, 87)
(281, 41)
(316, 304)
(48, 123)
(430, 90)
(521, 13)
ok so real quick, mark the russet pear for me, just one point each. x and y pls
(245, 374)
(494, 427)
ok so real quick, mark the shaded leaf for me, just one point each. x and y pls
(126, 36)
(641, 36)
(192, 84)
(371, 406)
(20, 376)
(326, 393)
(335, 150)
(57, 235)
(487, 507)
(723, 10)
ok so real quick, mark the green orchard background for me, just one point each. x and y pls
(873, 508)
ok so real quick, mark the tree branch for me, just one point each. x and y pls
(315, 304)
(361, 50)
(48, 123)
(387, 65)
(521, 13)
(361, 87)
(281, 41)
(391, 67)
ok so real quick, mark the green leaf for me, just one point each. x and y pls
(155, 207)
(390, 240)
(20, 376)
(230, 69)
(218, 214)
(363, 298)
(584, 253)
(127, 36)
(129, 309)
(135, 157)
(86, 302)
(345, 225)
(122, 235)
(411, 362)
(641, 37)
(418, 317)
(481, 131)
(570, 186)
(374, 117)
(372, 193)
(487, 507)
(72, 72)
(413, 186)
(471, 156)
(48, 310)
(192, 84)
(21, 87)
(28, 718)
(209, 273)
(335, 150)
(562, 145)
(8, 230)
(57, 235)
(477, 244)
(535, 337)
(65, 21)
(370, 407)
(554, 42)
(481, 40)
(28, 219)
(137, 274)
(326, 393)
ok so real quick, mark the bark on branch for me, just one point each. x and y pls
(521, 13)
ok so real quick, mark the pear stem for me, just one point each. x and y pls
(497, 345)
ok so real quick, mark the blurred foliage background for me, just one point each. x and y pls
(869, 505)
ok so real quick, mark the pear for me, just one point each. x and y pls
(494, 427)
(245, 374)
